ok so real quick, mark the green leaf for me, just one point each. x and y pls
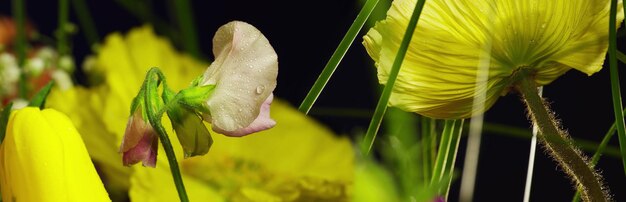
(192, 134)
(39, 100)
(4, 120)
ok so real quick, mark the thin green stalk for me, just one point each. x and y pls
(381, 107)
(425, 148)
(615, 85)
(442, 152)
(599, 152)
(61, 32)
(621, 57)
(186, 23)
(517, 132)
(341, 50)
(453, 149)
(557, 141)
(86, 21)
(152, 107)
(19, 12)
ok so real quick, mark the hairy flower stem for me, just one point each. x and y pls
(153, 78)
(558, 143)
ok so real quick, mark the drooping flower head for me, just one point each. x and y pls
(244, 74)
(140, 141)
(454, 38)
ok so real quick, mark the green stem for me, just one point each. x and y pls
(341, 50)
(19, 10)
(381, 107)
(86, 21)
(187, 27)
(557, 141)
(442, 152)
(599, 152)
(621, 56)
(615, 84)
(425, 148)
(61, 32)
(453, 149)
(517, 132)
(152, 107)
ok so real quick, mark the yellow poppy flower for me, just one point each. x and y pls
(453, 38)
(43, 158)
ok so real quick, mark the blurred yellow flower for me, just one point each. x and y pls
(453, 38)
(298, 159)
(43, 158)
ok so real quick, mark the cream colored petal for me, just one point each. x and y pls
(244, 73)
(261, 123)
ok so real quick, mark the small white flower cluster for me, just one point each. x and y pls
(43, 65)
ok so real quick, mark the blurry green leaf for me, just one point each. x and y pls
(4, 120)
(39, 100)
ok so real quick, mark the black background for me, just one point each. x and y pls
(305, 34)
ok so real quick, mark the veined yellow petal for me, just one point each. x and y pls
(453, 38)
(44, 159)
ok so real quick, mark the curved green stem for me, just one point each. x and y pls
(558, 143)
(153, 106)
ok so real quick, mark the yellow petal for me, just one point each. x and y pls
(44, 159)
(452, 38)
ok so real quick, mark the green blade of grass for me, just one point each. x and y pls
(453, 149)
(440, 162)
(518, 132)
(86, 21)
(600, 151)
(341, 50)
(187, 27)
(381, 107)
(19, 10)
(61, 32)
(621, 57)
(4, 120)
(615, 84)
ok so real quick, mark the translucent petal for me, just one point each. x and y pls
(438, 75)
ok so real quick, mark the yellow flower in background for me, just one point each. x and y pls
(43, 158)
(297, 160)
(101, 111)
(453, 38)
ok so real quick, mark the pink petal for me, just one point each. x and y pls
(262, 122)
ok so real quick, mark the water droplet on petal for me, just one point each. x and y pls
(260, 89)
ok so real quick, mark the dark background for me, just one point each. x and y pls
(305, 34)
